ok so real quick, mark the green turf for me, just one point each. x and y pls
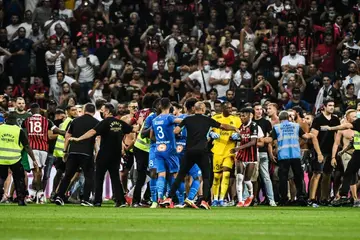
(75, 222)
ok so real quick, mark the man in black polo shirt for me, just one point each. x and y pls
(197, 127)
(112, 132)
(80, 154)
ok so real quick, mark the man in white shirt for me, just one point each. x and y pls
(49, 25)
(65, 14)
(54, 59)
(13, 27)
(171, 41)
(203, 77)
(293, 60)
(88, 65)
(353, 78)
(56, 85)
(278, 6)
(27, 24)
(220, 78)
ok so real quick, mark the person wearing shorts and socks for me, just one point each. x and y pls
(197, 127)
(326, 141)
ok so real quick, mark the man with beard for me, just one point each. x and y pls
(326, 140)
(220, 78)
(97, 37)
(21, 50)
(353, 77)
(292, 61)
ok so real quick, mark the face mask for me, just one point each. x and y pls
(276, 74)
(287, 7)
(332, 14)
(207, 68)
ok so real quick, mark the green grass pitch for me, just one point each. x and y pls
(75, 222)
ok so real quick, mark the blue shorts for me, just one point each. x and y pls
(195, 171)
(152, 159)
(167, 162)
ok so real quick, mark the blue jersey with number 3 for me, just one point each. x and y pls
(163, 127)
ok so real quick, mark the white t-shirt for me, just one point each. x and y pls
(97, 95)
(198, 77)
(55, 87)
(221, 74)
(52, 28)
(27, 27)
(97, 116)
(86, 71)
(66, 13)
(277, 9)
(355, 80)
(57, 63)
(293, 61)
(11, 29)
(170, 47)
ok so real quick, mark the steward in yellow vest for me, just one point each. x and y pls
(12, 141)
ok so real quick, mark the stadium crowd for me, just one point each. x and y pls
(90, 87)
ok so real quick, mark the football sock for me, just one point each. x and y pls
(193, 189)
(216, 185)
(144, 187)
(239, 186)
(160, 185)
(153, 189)
(249, 186)
(224, 184)
(180, 193)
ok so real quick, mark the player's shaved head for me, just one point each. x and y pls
(200, 107)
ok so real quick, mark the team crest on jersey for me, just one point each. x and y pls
(231, 122)
(179, 148)
(161, 148)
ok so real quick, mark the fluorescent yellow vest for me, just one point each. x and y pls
(60, 141)
(142, 143)
(10, 149)
(356, 140)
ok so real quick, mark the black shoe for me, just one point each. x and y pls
(302, 202)
(135, 205)
(340, 202)
(97, 204)
(86, 204)
(120, 205)
(145, 203)
(59, 201)
(254, 203)
(21, 203)
(266, 202)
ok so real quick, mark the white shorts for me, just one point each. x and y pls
(40, 157)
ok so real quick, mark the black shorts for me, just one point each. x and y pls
(128, 160)
(324, 167)
(59, 164)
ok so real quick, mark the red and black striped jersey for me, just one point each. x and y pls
(37, 128)
(248, 132)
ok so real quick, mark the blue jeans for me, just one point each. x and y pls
(264, 173)
(84, 92)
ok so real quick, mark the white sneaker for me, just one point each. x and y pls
(154, 205)
(40, 197)
(272, 203)
(179, 206)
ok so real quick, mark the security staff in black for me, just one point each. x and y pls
(12, 141)
(79, 154)
(112, 132)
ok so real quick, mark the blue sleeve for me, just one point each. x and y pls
(288, 105)
(307, 106)
(171, 119)
(148, 122)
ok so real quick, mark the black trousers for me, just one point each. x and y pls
(142, 161)
(18, 176)
(350, 173)
(112, 165)
(201, 158)
(73, 163)
(284, 166)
